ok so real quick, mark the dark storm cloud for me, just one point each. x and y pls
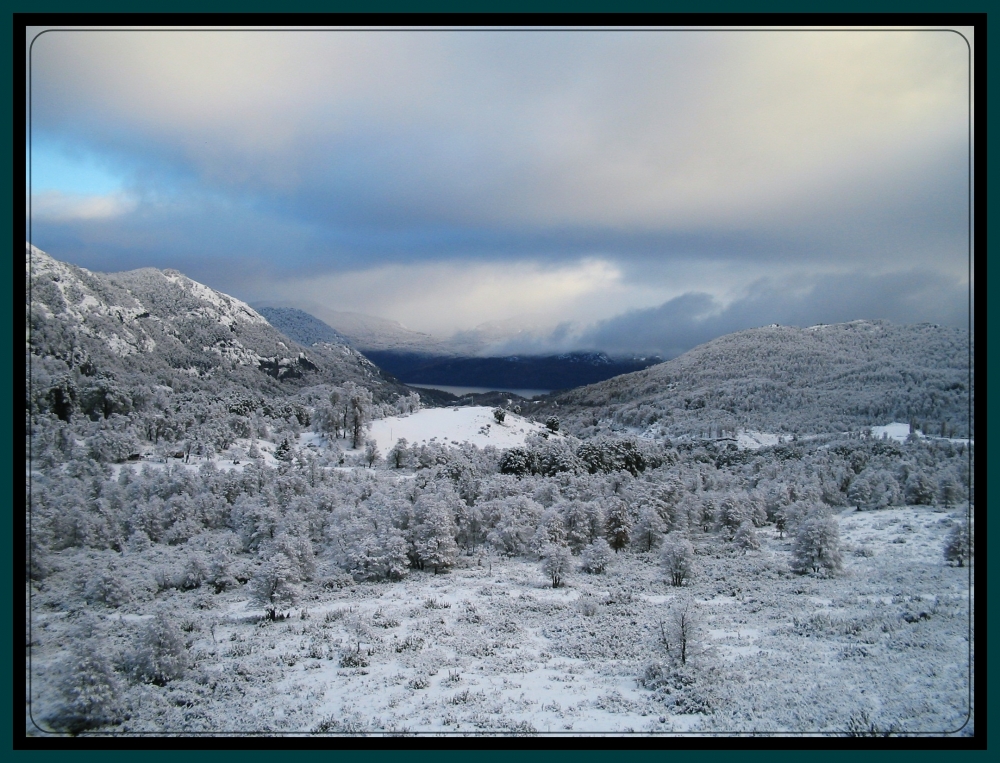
(254, 161)
(695, 318)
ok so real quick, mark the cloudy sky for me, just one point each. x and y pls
(632, 191)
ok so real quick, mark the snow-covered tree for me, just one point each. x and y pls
(958, 547)
(596, 557)
(378, 556)
(434, 537)
(681, 632)
(160, 654)
(556, 562)
(499, 414)
(649, 527)
(745, 538)
(275, 585)
(88, 688)
(874, 488)
(372, 455)
(513, 522)
(920, 488)
(619, 524)
(399, 455)
(677, 558)
(550, 529)
(817, 545)
(358, 404)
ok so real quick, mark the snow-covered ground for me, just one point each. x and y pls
(489, 647)
(899, 432)
(755, 440)
(473, 424)
(894, 431)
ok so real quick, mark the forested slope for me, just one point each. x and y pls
(100, 344)
(829, 378)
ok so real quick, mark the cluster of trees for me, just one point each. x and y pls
(273, 527)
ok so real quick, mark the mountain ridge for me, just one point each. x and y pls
(161, 327)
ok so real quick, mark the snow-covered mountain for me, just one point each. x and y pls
(781, 378)
(152, 326)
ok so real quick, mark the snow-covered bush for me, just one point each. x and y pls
(110, 587)
(596, 557)
(160, 654)
(88, 688)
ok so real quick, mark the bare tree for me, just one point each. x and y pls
(681, 632)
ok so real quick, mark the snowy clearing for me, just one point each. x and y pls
(451, 426)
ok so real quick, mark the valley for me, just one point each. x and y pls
(230, 529)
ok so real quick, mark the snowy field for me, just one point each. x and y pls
(451, 426)
(490, 648)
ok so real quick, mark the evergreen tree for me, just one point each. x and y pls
(958, 547)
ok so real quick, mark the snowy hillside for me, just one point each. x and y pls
(148, 327)
(228, 535)
(833, 378)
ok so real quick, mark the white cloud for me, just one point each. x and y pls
(441, 298)
(57, 206)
